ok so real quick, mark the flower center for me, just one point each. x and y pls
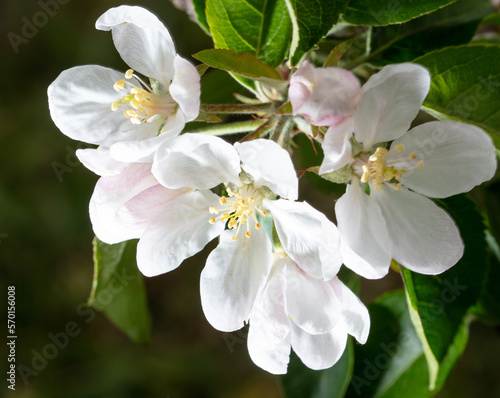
(239, 209)
(142, 104)
(380, 171)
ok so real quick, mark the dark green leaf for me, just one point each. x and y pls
(259, 27)
(301, 382)
(118, 289)
(465, 85)
(201, 16)
(392, 362)
(312, 19)
(439, 303)
(243, 64)
(453, 25)
(386, 12)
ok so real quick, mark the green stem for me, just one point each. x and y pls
(238, 108)
(230, 128)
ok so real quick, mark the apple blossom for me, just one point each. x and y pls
(385, 213)
(123, 114)
(313, 317)
(260, 187)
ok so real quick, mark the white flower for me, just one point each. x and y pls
(123, 204)
(385, 212)
(122, 113)
(254, 175)
(311, 316)
(326, 96)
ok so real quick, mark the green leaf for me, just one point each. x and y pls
(392, 362)
(259, 27)
(337, 52)
(300, 381)
(464, 87)
(311, 20)
(386, 12)
(439, 303)
(453, 25)
(201, 16)
(243, 64)
(118, 289)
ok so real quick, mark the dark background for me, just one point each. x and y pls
(46, 251)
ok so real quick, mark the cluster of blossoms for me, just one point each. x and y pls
(277, 260)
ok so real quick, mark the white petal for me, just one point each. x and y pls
(185, 88)
(354, 315)
(113, 193)
(327, 96)
(80, 105)
(362, 228)
(320, 351)
(269, 320)
(337, 147)
(270, 166)
(274, 360)
(307, 236)
(425, 238)
(311, 303)
(142, 41)
(456, 157)
(235, 273)
(99, 161)
(196, 161)
(390, 101)
(178, 232)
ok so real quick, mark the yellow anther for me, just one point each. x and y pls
(264, 213)
(257, 225)
(234, 238)
(212, 221)
(400, 148)
(398, 186)
(136, 104)
(114, 106)
(119, 85)
(232, 223)
(251, 199)
(366, 174)
(213, 210)
(379, 187)
(412, 156)
(420, 164)
(129, 73)
(223, 200)
(135, 120)
(247, 234)
(132, 113)
(126, 114)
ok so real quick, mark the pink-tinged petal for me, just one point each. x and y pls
(320, 351)
(185, 88)
(362, 232)
(425, 238)
(142, 41)
(99, 161)
(307, 236)
(311, 303)
(112, 193)
(181, 230)
(273, 360)
(269, 320)
(327, 96)
(337, 147)
(353, 314)
(235, 273)
(196, 161)
(390, 101)
(80, 102)
(456, 157)
(270, 166)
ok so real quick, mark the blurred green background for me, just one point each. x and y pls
(45, 248)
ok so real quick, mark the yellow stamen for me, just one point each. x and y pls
(120, 84)
(129, 73)
(400, 148)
